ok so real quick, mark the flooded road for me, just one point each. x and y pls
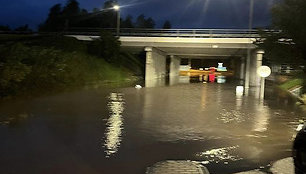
(125, 130)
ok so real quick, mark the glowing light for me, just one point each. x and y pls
(215, 46)
(116, 7)
(263, 71)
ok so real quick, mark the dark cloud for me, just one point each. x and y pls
(181, 13)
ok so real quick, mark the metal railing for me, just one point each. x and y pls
(201, 33)
(141, 32)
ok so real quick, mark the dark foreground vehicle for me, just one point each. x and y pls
(299, 151)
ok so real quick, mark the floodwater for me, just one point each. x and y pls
(125, 130)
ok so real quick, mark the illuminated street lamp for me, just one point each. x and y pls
(117, 8)
(263, 72)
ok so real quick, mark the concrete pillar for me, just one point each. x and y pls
(256, 62)
(155, 64)
(175, 63)
(247, 71)
(232, 64)
(253, 66)
(259, 56)
(242, 68)
(237, 68)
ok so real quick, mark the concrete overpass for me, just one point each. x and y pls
(191, 44)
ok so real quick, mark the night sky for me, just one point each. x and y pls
(181, 13)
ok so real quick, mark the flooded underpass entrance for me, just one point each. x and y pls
(125, 130)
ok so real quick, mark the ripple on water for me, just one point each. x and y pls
(228, 116)
(218, 155)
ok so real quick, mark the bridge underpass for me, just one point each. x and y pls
(159, 48)
(191, 44)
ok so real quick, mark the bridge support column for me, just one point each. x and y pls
(175, 63)
(256, 62)
(242, 68)
(155, 65)
(247, 71)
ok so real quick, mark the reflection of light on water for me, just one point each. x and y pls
(220, 155)
(221, 79)
(261, 118)
(114, 124)
(231, 116)
(239, 102)
(204, 98)
(184, 79)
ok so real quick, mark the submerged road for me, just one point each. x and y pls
(125, 130)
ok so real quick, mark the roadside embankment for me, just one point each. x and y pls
(44, 63)
(295, 87)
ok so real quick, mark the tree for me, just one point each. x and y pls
(54, 21)
(128, 22)
(24, 28)
(149, 23)
(5, 28)
(167, 25)
(109, 14)
(71, 9)
(109, 4)
(84, 12)
(107, 47)
(140, 21)
(287, 46)
(95, 10)
(70, 13)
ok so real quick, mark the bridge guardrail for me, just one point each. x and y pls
(206, 33)
(200, 33)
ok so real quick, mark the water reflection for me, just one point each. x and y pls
(228, 116)
(15, 120)
(204, 98)
(262, 117)
(239, 101)
(221, 79)
(113, 133)
(200, 122)
(173, 80)
(155, 82)
(224, 154)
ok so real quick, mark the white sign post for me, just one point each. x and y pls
(263, 72)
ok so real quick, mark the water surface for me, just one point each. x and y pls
(125, 130)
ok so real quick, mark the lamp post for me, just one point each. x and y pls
(117, 8)
(247, 73)
(263, 72)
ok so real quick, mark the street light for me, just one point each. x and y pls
(263, 72)
(247, 73)
(117, 8)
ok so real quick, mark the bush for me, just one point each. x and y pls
(25, 67)
(12, 69)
